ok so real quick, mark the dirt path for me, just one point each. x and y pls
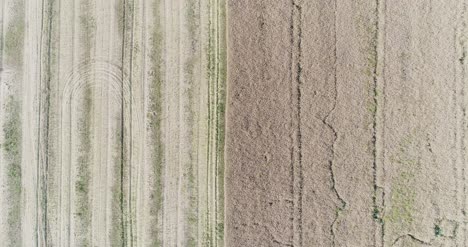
(346, 123)
(112, 119)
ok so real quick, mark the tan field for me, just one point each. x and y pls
(346, 123)
(233, 123)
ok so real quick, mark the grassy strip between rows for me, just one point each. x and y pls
(12, 151)
(84, 160)
(11, 147)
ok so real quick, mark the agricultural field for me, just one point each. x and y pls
(346, 123)
(233, 123)
(112, 122)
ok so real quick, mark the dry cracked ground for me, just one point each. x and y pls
(233, 123)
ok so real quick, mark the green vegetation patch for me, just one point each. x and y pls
(437, 230)
(403, 199)
(85, 145)
(83, 177)
(403, 195)
(14, 36)
(219, 73)
(191, 66)
(154, 116)
(11, 148)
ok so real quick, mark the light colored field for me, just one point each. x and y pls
(346, 123)
(112, 122)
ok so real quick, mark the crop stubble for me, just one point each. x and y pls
(112, 116)
(346, 123)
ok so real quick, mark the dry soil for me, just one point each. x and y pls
(346, 123)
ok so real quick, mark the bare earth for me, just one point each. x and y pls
(346, 123)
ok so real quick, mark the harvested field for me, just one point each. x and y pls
(233, 123)
(346, 123)
(112, 122)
